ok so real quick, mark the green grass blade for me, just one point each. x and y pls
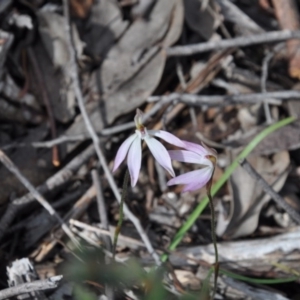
(202, 205)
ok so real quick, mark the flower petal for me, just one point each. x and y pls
(193, 180)
(189, 157)
(168, 137)
(160, 153)
(134, 160)
(122, 152)
(195, 148)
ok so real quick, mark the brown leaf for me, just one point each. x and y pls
(134, 66)
(204, 22)
(247, 198)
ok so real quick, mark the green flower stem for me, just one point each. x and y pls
(202, 205)
(121, 214)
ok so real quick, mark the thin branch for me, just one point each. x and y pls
(269, 190)
(14, 169)
(105, 224)
(38, 285)
(83, 137)
(95, 138)
(264, 78)
(268, 37)
(108, 232)
(100, 200)
(53, 182)
(217, 100)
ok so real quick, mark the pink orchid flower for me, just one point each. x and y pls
(133, 147)
(194, 154)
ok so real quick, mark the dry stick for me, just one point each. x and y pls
(105, 224)
(269, 190)
(53, 182)
(13, 169)
(163, 100)
(38, 285)
(120, 221)
(100, 231)
(95, 138)
(224, 99)
(100, 201)
(268, 37)
(264, 77)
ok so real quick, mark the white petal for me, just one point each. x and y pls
(160, 154)
(168, 137)
(122, 152)
(189, 157)
(134, 160)
(195, 148)
(193, 180)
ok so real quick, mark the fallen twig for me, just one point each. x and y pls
(264, 77)
(226, 99)
(38, 285)
(105, 224)
(13, 169)
(76, 212)
(256, 255)
(268, 37)
(108, 232)
(235, 289)
(100, 201)
(53, 182)
(269, 190)
(95, 138)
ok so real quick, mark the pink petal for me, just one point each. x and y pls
(189, 157)
(168, 137)
(195, 148)
(122, 152)
(160, 154)
(134, 160)
(192, 187)
(193, 180)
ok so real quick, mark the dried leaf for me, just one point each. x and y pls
(56, 73)
(248, 198)
(106, 25)
(244, 24)
(204, 22)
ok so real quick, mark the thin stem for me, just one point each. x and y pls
(123, 199)
(243, 41)
(214, 239)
